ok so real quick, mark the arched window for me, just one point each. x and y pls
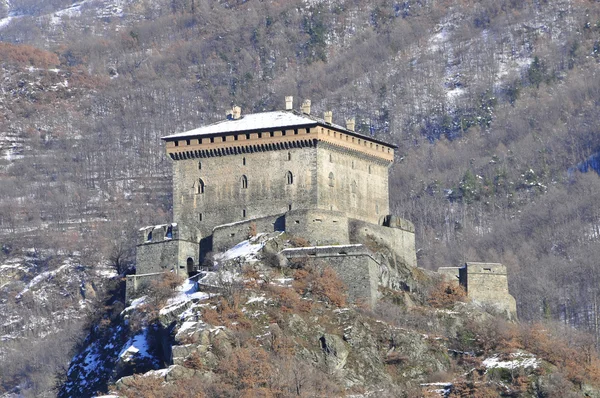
(244, 182)
(289, 177)
(331, 179)
(149, 236)
(354, 186)
(200, 186)
(169, 233)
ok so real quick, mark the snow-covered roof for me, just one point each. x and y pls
(253, 121)
(266, 121)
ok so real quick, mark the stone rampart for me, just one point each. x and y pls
(485, 283)
(401, 242)
(226, 236)
(319, 227)
(354, 264)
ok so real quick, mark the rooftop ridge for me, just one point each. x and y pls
(270, 120)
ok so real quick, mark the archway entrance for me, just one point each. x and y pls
(190, 267)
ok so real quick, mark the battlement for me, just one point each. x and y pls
(158, 233)
(485, 283)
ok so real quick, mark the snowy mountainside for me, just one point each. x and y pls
(45, 298)
(272, 331)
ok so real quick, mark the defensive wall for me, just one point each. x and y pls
(356, 267)
(485, 283)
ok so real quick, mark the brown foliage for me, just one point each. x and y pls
(193, 361)
(297, 241)
(227, 314)
(252, 230)
(22, 54)
(247, 368)
(445, 294)
(324, 285)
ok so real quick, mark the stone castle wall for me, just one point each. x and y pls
(401, 242)
(354, 265)
(225, 198)
(226, 236)
(352, 183)
(213, 191)
(160, 249)
(318, 227)
(485, 283)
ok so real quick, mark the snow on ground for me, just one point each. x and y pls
(188, 291)
(247, 250)
(256, 299)
(520, 360)
(440, 388)
(44, 276)
(137, 346)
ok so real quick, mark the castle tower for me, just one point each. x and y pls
(269, 163)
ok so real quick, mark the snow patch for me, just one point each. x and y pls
(521, 360)
(246, 250)
(136, 347)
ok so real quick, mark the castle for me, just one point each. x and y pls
(280, 171)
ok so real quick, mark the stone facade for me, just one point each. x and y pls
(485, 283)
(290, 171)
(221, 190)
(161, 248)
(356, 267)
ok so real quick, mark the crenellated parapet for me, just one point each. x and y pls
(271, 131)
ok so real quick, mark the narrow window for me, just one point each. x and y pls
(244, 182)
(199, 165)
(244, 161)
(244, 213)
(377, 208)
(169, 232)
(353, 164)
(369, 169)
(200, 187)
(289, 177)
(331, 179)
(331, 158)
(289, 156)
(149, 236)
(289, 207)
(353, 186)
(199, 216)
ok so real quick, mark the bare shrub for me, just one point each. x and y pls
(252, 230)
(193, 361)
(324, 285)
(445, 294)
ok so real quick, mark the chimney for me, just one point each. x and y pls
(305, 108)
(289, 103)
(328, 117)
(350, 124)
(237, 112)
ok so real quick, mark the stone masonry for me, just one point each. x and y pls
(485, 283)
(294, 172)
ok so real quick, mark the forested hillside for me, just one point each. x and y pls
(494, 105)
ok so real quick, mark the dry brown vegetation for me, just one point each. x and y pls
(445, 294)
(490, 175)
